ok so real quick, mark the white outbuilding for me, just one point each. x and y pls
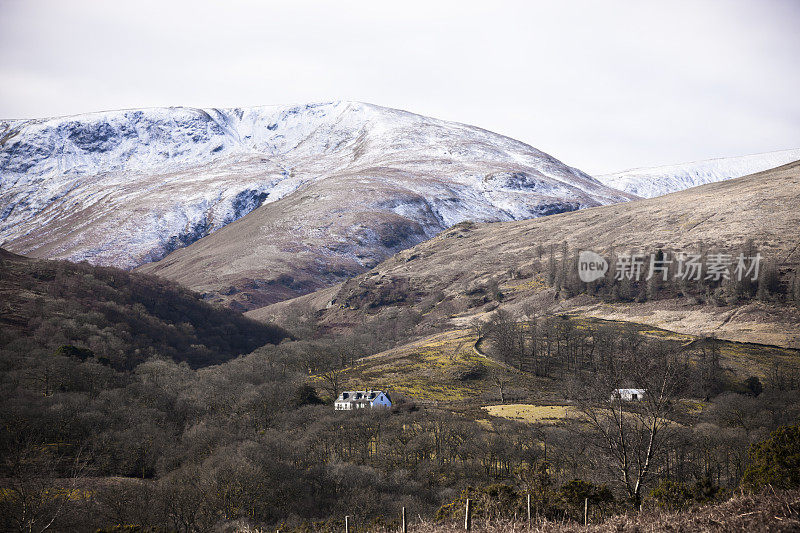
(628, 395)
(360, 399)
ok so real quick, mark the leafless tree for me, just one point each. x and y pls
(504, 333)
(631, 435)
(37, 493)
(332, 381)
(501, 378)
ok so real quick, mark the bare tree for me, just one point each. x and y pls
(504, 333)
(332, 381)
(501, 378)
(631, 435)
(36, 496)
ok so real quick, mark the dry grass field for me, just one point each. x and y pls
(532, 414)
(446, 367)
(439, 368)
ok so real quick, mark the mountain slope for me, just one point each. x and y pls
(652, 182)
(120, 317)
(451, 275)
(340, 185)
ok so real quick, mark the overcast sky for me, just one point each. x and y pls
(603, 86)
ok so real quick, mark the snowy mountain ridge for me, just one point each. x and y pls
(128, 187)
(656, 181)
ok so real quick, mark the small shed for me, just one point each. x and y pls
(628, 395)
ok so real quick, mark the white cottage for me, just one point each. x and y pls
(360, 399)
(628, 395)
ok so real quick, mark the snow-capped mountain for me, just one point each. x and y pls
(129, 187)
(655, 181)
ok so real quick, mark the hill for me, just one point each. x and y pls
(656, 181)
(50, 308)
(458, 370)
(458, 274)
(340, 186)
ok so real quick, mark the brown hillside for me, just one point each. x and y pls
(452, 266)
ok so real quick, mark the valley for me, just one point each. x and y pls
(399, 267)
(434, 261)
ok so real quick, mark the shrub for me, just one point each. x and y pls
(306, 395)
(574, 494)
(671, 495)
(753, 385)
(68, 350)
(492, 501)
(776, 461)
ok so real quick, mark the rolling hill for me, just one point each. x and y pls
(116, 317)
(449, 277)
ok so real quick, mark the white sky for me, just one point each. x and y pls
(603, 86)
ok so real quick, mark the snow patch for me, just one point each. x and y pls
(657, 181)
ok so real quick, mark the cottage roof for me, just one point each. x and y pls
(360, 395)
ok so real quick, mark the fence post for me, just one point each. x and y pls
(347, 524)
(468, 516)
(404, 520)
(586, 511)
(529, 511)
